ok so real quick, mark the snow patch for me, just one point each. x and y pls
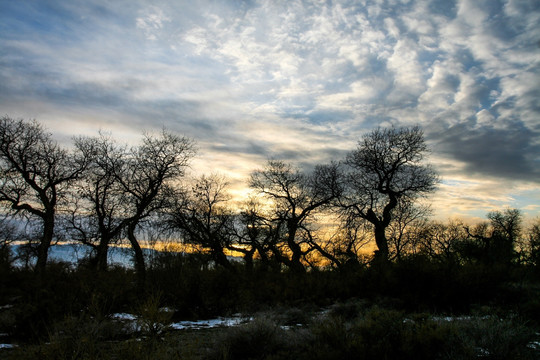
(132, 322)
(207, 324)
(123, 317)
(459, 318)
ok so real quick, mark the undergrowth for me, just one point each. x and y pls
(392, 313)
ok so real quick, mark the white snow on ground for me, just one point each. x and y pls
(482, 352)
(128, 320)
(458, 318)
(123, 317)
(212, 323)
(132, 321)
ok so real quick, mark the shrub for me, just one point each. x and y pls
(153, 319)
(332, 338)
(255, 340)
(350, 309)
(489, 337)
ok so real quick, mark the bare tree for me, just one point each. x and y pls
(386, 169)
(506, 224)
(256, 235)
(203, 219)
(441, 240)
(403, 231)
(9, 233)
(295, 197)
(495, 240)
(35, 175)
(100, 214)
(251, 233)
(532, 246)
(348, 242)
(124, 187)
(147, 176)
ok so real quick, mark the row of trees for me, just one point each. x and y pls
(102, 192)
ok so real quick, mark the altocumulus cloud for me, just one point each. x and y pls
(297, 80)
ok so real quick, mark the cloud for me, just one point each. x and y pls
(508, 152)
(297, 80)
(151, 22)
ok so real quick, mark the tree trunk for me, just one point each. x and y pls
(45, 244)
(381, 254)
(248, 258)
(220, 258)
(264, 259)
(140, 266)
(296, 256)
(102, 251)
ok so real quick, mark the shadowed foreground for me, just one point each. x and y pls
(414, 309)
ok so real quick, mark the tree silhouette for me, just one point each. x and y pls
(202, 217)
(146, 176)
(533, 243)
(100, 216)
(252, 233)
(441, 241)
(384, 170)
(295, 197)
(35, 175)
(403, 231)
(494, 241)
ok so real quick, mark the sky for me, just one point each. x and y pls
(299, 81)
